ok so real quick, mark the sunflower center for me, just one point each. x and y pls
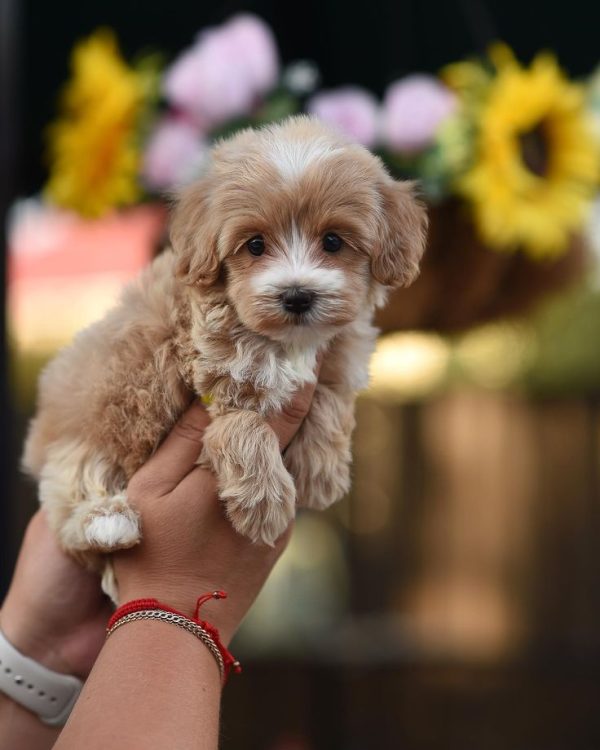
(534, 150)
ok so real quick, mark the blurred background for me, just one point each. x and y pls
(452, 600)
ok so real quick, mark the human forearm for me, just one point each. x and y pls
(178, 679)
(54, 613)
(19, 728)
(154, 685)
(174, 673)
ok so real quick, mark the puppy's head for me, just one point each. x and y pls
(300, 225)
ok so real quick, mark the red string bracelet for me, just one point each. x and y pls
(126, 612)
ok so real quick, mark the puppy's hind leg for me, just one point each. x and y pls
(257, 490)
(112, 524)
(85, 501)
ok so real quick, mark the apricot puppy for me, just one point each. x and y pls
(283, 248)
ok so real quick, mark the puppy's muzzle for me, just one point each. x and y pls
(297, 301)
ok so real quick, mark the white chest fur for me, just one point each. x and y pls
(274, 370)
(301, 360)
(244, 370)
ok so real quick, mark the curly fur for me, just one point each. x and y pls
(206, 318)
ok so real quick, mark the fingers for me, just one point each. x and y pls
(178, 454)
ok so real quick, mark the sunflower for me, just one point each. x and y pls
(93, 154)
(535, 167)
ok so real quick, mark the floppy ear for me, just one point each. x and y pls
(194, 234)
(402, 235)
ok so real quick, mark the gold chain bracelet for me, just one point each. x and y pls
(180, 621)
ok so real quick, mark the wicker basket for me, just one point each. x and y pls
(463, 282)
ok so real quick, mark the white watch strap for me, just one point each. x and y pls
(48, 694)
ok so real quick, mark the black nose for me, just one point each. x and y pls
(297, 300)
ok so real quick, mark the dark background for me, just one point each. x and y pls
(368, 43)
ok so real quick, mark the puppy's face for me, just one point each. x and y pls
(300, 226)
(295, 244)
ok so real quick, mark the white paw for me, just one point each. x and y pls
(112, 531)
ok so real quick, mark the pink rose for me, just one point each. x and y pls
(173, 152)
(224, 73)
(413, 109)
(351, 110)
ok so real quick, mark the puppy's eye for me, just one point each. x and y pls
(332, 243)
(256, 245)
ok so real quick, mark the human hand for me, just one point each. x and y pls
(54, 611)
(189, 547)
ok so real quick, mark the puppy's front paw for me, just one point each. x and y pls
(263, 508)
(257, 490)
(322, 477)
(113, 527)
(319, 491)
(319, 457)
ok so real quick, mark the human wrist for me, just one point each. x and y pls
(21, 728)
(29, 635)
(166, 643)
(182, 596)
(152, 609)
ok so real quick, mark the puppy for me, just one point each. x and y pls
(282, 250)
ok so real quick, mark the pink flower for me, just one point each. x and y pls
(351, 110)
(174, 151)
(256, 45)
(224, 73)
(413, 109)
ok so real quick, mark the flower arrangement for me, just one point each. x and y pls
(94, 148)
(536, 161)
(509, 152)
